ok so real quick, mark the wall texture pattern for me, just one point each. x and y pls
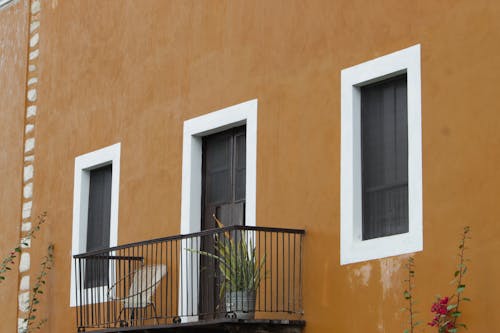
(29, 159)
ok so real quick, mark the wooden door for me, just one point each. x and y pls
(223, 195)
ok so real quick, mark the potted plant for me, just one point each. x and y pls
(240, 269)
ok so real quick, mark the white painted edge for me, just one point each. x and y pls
(194, 130)
(7, 3)
(83, 164)
(352, 247)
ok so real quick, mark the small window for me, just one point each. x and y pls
(95, 219)
(381, 158)
(99, 214)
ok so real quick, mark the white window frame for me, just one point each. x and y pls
(6, 3)
(83, 165)
(352, 247)
(194, 130)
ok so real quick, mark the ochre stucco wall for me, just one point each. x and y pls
(133, 71)
(13, 46)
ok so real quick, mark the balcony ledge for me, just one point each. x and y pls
(219, 326)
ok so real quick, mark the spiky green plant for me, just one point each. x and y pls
(237, 261)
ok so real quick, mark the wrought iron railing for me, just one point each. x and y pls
(232, 272)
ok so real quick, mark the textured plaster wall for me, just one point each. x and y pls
(13, 54)
(133, 71)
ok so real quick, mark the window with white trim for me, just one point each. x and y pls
(195, 130)
(381, 157)
(95, 217)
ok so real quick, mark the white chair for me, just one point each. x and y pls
(144, 283)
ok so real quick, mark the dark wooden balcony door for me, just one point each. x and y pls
(223, 195)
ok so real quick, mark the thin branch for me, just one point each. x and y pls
(37, 290)
(8, 261)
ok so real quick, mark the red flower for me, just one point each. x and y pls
(443, 318)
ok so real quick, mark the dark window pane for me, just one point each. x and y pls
(218, 163)
(240, 166)
(384, 139)
(98, 225)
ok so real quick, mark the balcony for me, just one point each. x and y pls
(230, 279)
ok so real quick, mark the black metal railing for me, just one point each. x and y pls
(232, 272)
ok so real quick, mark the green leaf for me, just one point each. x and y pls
(451, 306)
(460, 288)
(467, 299)
(456, 314)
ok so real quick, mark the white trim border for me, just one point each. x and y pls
(83, 164)
(352, 247)
(194, 129)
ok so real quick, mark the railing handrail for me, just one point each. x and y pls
(191, 235)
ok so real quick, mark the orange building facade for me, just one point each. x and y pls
(139, 85)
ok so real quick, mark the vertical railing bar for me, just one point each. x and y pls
(140, 312)
(114, 279)
(161, 282)
(180, 280)
(99, 291)
(247, 235)
(79, 292)
(289, 267)
(266, 271)
(157, 267)
(277, 273)
(106, 291)
(183, 293)
(257, 304)
(151, 272)
(300, 274)
(92, 290)
(283, 270)
(171, 280)
(238, 256)
(190, 281)
(130, 277)
(126, 276)
(83, 292)
(101, 298)
(143, 275)
(294, 272)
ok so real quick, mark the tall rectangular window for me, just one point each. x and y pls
(98, 224)
(381, 158)
(95, 222)
(384, 158)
